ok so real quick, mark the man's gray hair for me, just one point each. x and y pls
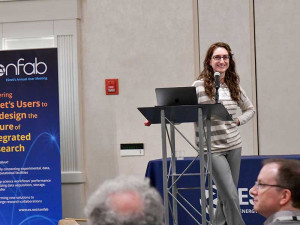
(100, 210)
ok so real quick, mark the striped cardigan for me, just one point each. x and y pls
(225, 135)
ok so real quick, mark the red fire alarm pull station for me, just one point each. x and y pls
(112, 86)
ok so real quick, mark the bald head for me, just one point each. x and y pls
(126, 203)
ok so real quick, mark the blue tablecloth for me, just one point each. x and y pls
(250, 167)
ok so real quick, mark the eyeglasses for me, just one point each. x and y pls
(218, 57)
(259, 185)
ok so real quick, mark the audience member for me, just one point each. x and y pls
(125, 201)
(277, 191)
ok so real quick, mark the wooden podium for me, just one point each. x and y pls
(201, 114)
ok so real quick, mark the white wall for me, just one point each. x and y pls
(149, 44)
(265, 40)
(145, 44)
(277, 47)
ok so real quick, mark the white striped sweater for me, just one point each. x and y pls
(225, 135)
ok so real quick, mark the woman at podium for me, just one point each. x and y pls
(226, 144)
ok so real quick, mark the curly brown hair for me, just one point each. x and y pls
(231, 79)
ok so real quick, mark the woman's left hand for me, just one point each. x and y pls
(237, 121)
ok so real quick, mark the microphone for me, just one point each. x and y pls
(217, 85)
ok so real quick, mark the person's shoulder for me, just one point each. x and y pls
(283, 218)
(284, 222)
(198, 83)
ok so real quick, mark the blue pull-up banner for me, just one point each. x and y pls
(30, 176)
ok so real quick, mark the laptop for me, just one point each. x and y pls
(176, 96)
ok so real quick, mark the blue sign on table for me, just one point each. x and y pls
(250, 167)
(30, 176)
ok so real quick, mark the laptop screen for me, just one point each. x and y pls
(176, 96)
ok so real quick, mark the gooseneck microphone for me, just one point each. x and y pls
(217, 85)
